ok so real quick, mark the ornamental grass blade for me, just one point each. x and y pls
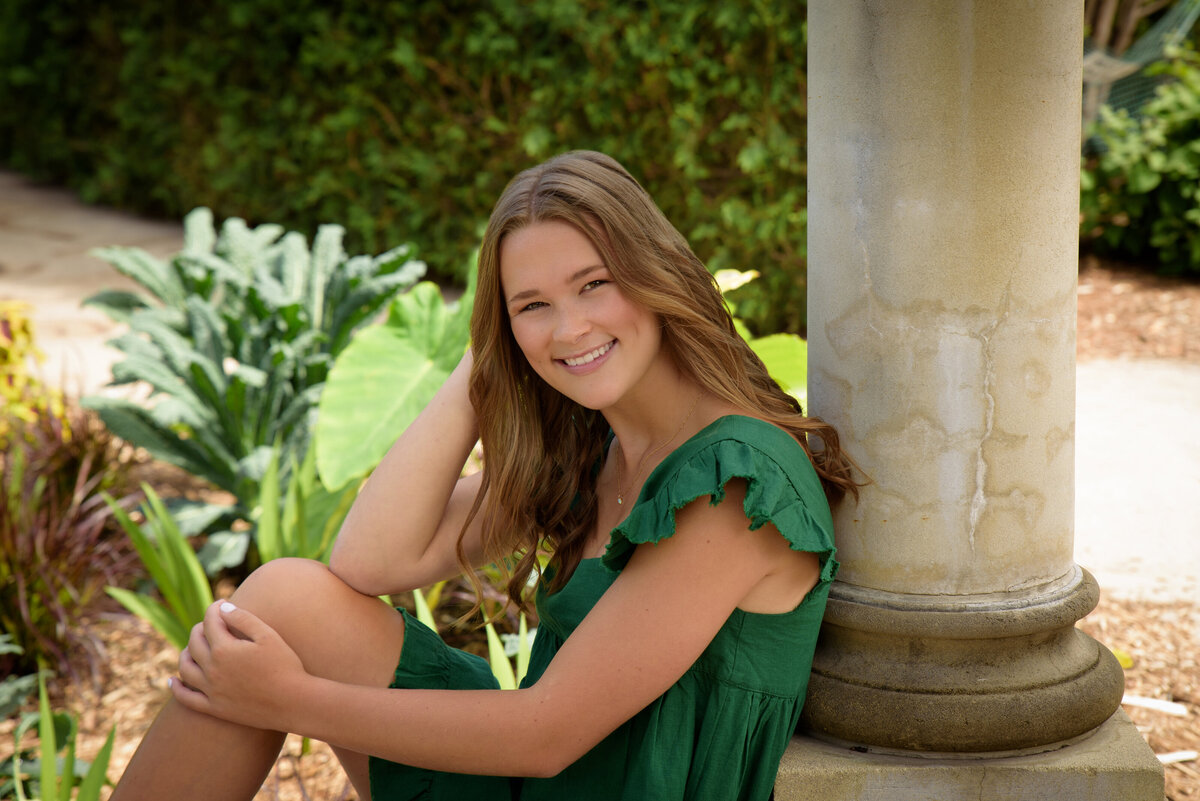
(193, 591)
(267, 534)
(501, 666)
(294, 528)
(152, 559)
(49, 748)
(423, 613)
(66, 776)
(154, 613)
(96, 778)
(524, 648)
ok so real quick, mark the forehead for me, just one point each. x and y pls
(542, 252)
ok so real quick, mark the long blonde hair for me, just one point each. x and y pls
(541, 448)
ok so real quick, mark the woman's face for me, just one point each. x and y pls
(576, 328)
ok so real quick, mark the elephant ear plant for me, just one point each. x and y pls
(235, 336)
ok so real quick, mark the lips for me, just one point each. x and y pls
(590, 356)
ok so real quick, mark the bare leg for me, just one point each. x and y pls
(337, 632)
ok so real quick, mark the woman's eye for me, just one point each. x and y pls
(537, 304)
(596, 283)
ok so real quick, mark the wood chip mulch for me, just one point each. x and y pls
(1163, 642)
(1128, 313)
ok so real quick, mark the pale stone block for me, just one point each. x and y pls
(1112, 764)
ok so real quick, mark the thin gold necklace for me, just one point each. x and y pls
(648, 454)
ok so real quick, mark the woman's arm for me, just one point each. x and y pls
(643, 634)
(402, 530)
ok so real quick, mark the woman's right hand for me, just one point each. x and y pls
(403, 528)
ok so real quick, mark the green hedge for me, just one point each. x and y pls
(1140, 184)
(402, 121)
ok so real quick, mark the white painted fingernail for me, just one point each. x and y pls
(227, 607)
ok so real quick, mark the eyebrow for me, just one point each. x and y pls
(575, 276)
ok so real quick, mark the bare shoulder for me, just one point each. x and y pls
(779, 577)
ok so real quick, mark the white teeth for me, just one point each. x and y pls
(588, 358)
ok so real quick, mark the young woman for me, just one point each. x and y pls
(626, 428)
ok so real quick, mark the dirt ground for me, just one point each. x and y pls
(1123, 314)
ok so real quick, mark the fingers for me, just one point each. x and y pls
(191, 698)
(191, 674)
(215, 629)
(198, 644)
(242, 623)
(196, 660)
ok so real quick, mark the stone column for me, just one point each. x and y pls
(943, 226)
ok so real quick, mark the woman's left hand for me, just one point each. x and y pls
(237, 668)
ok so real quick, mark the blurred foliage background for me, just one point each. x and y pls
(402, 121)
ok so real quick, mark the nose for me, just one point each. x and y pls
(571, 325)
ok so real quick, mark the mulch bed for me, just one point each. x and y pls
(1163, 641)
(1127, 313)
(1123, 314)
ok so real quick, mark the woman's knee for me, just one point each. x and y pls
(337, 632)
(284, 584)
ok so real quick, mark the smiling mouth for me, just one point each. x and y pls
(590, 356)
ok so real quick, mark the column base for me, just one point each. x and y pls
(965, 674)
(1113, 762)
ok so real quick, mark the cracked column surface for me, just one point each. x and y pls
(942, 251)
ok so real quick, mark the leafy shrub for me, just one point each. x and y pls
(1140, 197)
(236, 343)
(46, 776)
(58, 543)
(14, 689)
(405, 120)
(23, 395)
(301, 519)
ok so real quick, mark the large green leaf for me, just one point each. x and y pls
(786, 359)
(195, 517)
(383, 379)
(222, 550)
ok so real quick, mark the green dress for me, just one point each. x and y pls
(719, 732)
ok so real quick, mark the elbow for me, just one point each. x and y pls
(551, 755)
(341, 565)
(354, 573)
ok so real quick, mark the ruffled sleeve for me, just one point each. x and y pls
(782, 488)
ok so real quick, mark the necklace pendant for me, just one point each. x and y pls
(619, 501)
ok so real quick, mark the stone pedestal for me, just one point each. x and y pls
(942, 250)
(1111, 764)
